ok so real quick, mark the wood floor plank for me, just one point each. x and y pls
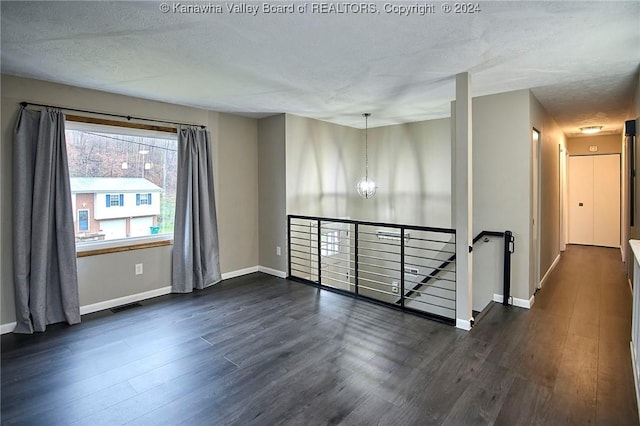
(261, 350)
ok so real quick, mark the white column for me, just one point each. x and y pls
(463, 200)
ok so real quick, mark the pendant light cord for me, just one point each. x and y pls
(366, 146)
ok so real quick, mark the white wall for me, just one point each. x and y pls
(233, 137)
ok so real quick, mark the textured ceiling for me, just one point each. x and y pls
(580, 58)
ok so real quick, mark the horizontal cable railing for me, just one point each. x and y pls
(380, 262)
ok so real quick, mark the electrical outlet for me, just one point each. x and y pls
(411, 271)
(139, 270)
(278, 251)
(394, 286)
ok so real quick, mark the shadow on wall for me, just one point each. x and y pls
(410, 163)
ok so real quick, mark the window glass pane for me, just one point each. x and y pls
(123, 183)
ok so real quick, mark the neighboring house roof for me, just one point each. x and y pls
(108, 184)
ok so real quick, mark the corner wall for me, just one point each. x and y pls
(237, 177)
(272, 192)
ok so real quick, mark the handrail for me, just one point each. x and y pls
(382, 224)
(487, 234)
(509, 248)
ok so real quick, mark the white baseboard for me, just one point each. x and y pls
(463, 324)
(521, 303)
(239, 272)
(108, 304)
(551, 268)
(273, 272)
(8, 328)
(636, 376)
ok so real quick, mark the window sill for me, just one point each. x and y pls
(88, 251)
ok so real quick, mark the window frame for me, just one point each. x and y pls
(90, 248)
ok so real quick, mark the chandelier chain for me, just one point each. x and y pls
(366, 146)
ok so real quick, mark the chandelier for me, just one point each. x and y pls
(366, 186)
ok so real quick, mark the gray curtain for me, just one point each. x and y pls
(44, 250)
(196, 257)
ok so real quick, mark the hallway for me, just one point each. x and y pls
(571, 352)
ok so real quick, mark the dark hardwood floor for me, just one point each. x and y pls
(258, 350)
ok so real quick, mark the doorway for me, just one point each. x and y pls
(594, 200)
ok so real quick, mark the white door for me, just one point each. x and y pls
(594, 200)
(606, 190)
(581, 200)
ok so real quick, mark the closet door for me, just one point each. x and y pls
(581, 208)
(606, 191)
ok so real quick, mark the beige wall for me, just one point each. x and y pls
(237, 192)
(634, 231)
(410, 164)
(501, 181)
(323, 164)
(233, 137)
(553, 140)
(271, 193)
(607, 144)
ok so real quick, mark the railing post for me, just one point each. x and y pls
(356, 266)
(319, 252)
(402, 266)
(509, 247)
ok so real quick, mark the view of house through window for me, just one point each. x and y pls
(123, 181)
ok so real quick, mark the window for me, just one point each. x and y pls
(143, 199)
(115, 200)
(126, 178)
(329, 244)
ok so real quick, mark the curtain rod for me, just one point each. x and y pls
(128, 117)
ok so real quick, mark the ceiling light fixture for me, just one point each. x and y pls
(366, 187)
(590, 130)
